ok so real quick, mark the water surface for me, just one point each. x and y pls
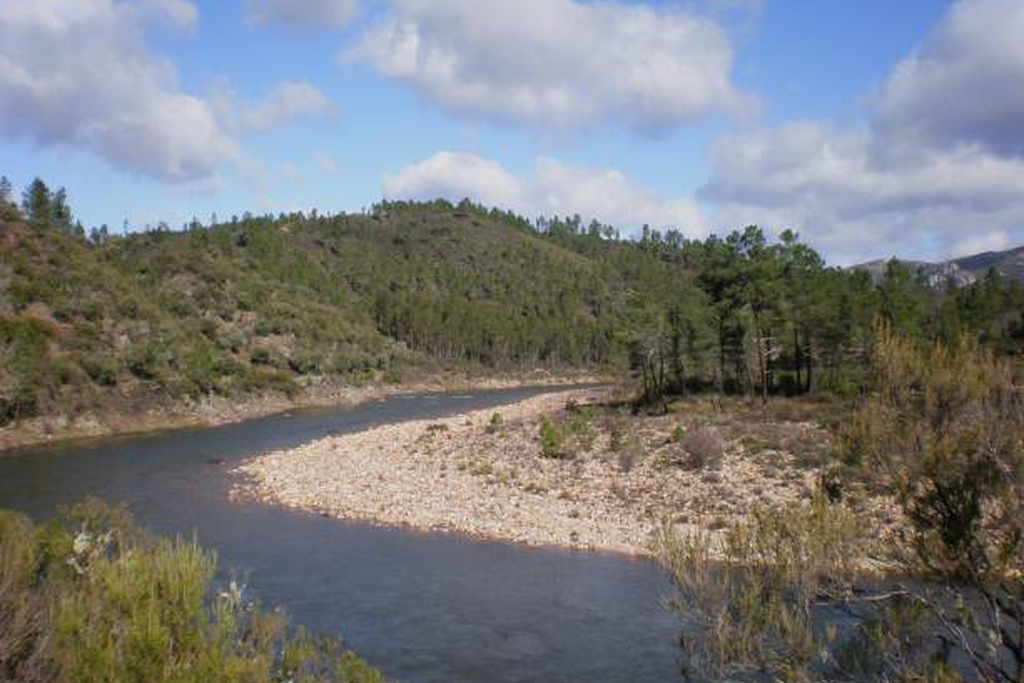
(423, 607)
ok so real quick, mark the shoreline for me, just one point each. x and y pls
(463, 474)
(217, 411)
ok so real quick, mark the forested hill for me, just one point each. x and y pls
(273, 304)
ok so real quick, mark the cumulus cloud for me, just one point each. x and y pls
(77, 72)
(557, 63)
(285, 102)
(302, 14)
(829, 184)
(553, 188)
(963, 85)
(936, 169)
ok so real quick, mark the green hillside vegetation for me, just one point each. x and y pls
(275, 304)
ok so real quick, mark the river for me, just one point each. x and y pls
(423, 607)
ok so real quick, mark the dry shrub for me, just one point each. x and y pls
(703, 448)
(754, 603)
(944, 432)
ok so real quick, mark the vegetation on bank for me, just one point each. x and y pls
(89, 597)
(90, 320)
(787, 594)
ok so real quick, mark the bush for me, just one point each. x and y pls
(261, 356)
(143, 361)
(101, 371)
(258, 380)
(943, 433)
(495, 424)
(89, 598)
(582, 428)
(552, 439)
(21, 403)
(755, 604)
(704, 448)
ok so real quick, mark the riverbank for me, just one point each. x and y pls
(216, 410)
(595, 478)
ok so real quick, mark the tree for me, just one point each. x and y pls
(36, 203)
(60, 212)
(6, 192)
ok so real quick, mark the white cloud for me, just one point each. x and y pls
(557, 63)
(77, 72)
(830, 185)
(454, 176)
(175, 13)
(285, 102)
(938, 168)
(302, 14)
(964, 84)
(553, 188)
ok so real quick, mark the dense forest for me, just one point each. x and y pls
(257, 304)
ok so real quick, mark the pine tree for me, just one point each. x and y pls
(36, 202)
(6, 192)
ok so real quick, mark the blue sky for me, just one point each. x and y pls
(873, 127)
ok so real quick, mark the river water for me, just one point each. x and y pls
(423, 607)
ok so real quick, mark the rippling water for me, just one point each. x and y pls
(421, 606)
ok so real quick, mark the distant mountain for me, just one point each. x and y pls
(961, 271)
(1009, 263)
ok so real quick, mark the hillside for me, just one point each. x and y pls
(286, 306)
(277, 304)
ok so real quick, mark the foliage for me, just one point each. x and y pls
(780, 595)
(552, 438)
(775, 599)
(945, 433)
(90, 598)
(753, 613)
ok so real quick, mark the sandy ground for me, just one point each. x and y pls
(464, 474)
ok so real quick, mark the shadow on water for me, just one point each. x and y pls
(423, 607)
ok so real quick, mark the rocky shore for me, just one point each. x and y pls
(489, 473)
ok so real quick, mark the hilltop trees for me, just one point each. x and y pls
(44, 208)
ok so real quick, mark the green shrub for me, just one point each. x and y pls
(261, 356)
(581, 426)
(305, 363)
(21, 403)
(552, 439)
(260, 380)
(89, 597)
(144, 360)
(495, 424)
(101, 371)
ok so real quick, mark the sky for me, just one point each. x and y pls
(873, 128)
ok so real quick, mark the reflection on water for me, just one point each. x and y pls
(423, 607)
